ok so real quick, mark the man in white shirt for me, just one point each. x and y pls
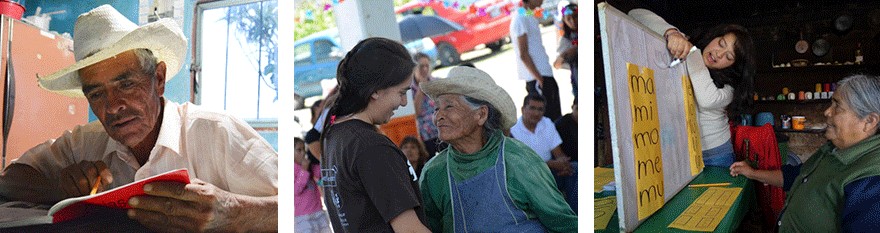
(533, 64)
(540, 134)
(121, 69)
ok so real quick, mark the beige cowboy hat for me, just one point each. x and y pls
(103, 33)
(474, 83)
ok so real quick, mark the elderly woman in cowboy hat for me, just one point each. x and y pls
(121, 69)
(485, 181)
(840, 183)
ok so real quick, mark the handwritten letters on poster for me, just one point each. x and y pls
(646, 140)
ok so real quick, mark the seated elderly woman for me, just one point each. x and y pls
(485, 181)
(839, 185)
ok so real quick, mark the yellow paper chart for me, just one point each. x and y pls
(601, 177)
(706, 213)
(646, 140)
(693, 129)
(603, 209)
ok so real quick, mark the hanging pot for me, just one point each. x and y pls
(843, 23)
(821, 47)
(802, 45)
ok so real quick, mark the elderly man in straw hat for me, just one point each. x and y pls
(485, 181)
(121, 69)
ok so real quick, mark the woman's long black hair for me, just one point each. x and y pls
(567, 32)
(741, 74)
(372, 65)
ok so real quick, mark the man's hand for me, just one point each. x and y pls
(195, 207)
(79, 179)
(561, 165)
(176, 207)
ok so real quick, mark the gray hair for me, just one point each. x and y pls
(493, 120)
(862, 93)
(147, 61)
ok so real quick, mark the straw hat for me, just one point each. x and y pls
(474, 83)
(103, 33)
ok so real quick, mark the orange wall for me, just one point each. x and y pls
(400, 127)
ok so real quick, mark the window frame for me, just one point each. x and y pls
(196, 75)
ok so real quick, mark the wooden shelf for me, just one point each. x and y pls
(813, 101)
(822, 68)
(813, 131)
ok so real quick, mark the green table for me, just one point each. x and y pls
(613, 225)
(659, 221)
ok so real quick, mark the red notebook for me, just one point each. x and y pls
(76, 207)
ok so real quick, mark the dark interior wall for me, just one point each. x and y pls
(776, 26)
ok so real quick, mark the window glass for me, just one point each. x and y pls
(238, 56)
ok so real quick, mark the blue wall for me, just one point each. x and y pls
(271, 137)
(177, 89)
(64, 22)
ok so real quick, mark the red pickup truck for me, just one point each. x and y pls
(485, 22)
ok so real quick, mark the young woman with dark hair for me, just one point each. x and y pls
(423, 105)
(721, 72)
(369, 186)
(568, 44)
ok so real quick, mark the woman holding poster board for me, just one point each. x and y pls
(721, 73)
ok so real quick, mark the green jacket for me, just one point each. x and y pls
(529, 183)
(816, 198)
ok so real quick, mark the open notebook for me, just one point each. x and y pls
(72, 208)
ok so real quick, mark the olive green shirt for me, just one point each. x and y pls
(816, 198)
(529, 183)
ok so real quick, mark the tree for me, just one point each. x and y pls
(258, 22)
(314, 16)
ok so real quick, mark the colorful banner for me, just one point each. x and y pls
(693, 128)
(646, 140)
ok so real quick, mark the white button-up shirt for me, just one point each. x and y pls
(542, 141)
(215, 147)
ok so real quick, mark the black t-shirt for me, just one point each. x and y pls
(567, 128)
(367, 181)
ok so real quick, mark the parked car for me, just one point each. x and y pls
(317, 56)
(491, 28)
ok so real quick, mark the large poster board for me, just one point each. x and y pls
(652, 118)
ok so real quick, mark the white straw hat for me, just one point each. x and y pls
(474, 83)
(104, 33)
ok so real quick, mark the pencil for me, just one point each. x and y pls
(95, 187)
(708, 185)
